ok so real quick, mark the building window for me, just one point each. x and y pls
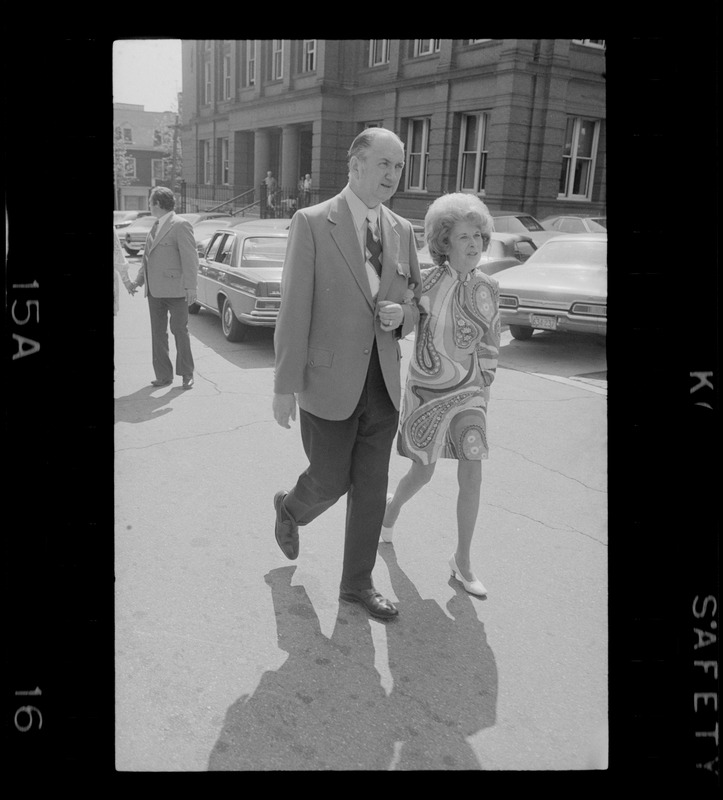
(466, 42)
(157, 137)
(425, 47)
(223, 149)
(227, 76)
(156, 170)
(250, 62)
(417, 154)
(473, 152)
(578, 158)
(130, 167)
(277, 59)
(309, 49)
(205, 161)
(127, 135)
(591, 42)
(378, 52)
(207, 81)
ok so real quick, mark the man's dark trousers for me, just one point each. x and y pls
(350, 456)
(177, 308)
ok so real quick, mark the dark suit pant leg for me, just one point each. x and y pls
(349, 456)
(159, 338)
(179, 328)
(369, 478)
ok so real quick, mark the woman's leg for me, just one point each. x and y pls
(469, 477)
(410, 484)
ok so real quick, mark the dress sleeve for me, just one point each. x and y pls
(488, 348)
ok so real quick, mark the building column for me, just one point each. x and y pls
(261, 156)
(289, 157)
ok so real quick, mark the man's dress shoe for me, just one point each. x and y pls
(286, 530)
(374, 603)
(161, 383)
(187, 382)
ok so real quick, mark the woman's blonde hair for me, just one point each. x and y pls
(444, 213)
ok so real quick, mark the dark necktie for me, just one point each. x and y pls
(374, 249)
(154, 230)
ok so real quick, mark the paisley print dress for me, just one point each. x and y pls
(444, 408)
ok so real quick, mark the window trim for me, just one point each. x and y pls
(591, 43)
(573, 157)
(373, 52)
(206, 176)
(481, 151)
(250, 63)
(154, 177)
(308, 62)
(434, 47)
(207, 82)
(226, 70)
(277, 59)
(423, 154)
(224, 161)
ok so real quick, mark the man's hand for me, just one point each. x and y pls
(391, 315)
(190, 296)
(284, 406)
(132, 288)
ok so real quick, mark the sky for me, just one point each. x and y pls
(147, 72)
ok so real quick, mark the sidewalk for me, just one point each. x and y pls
(231, 657)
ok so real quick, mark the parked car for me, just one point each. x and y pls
(122, 219)
(561, 287)
(136, 233)
(569, 223)
(202, 243)
(134, 236)
(519, 222)
(196, 216)
(239, 277)
(505, 250)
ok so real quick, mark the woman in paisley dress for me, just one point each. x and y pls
(444, 408)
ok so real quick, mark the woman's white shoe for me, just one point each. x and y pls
(387, 533)
(474, 586)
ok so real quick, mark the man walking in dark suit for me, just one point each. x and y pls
(352, 284)
(169, 271)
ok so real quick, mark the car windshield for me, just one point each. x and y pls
(265, 248)
(598, 225)
(530, 224)
(144, 222)
(589, 254)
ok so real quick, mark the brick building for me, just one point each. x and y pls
(142, 132)
(521, 122)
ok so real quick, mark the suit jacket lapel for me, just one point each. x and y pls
(162, 231)
(390, 250)
(343, 232)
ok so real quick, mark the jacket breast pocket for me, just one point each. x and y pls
(318, 357)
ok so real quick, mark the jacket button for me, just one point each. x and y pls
(311, 362)
(366, 351)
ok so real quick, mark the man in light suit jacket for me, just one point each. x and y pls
(169, 271)
(344, 308)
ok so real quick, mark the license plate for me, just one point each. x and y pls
(546, 323)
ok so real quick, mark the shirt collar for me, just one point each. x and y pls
(357, 206)
(162, 220)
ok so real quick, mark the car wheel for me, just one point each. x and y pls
(194, 308)
(521, 332)
(233, 330)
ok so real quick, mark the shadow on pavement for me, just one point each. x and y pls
(326, 709)
(256, 351)
(141, 406)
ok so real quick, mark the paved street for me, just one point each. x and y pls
(230, 657)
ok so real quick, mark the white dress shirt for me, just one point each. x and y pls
(359, 210)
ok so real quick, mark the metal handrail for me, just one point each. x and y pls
(233, 199)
